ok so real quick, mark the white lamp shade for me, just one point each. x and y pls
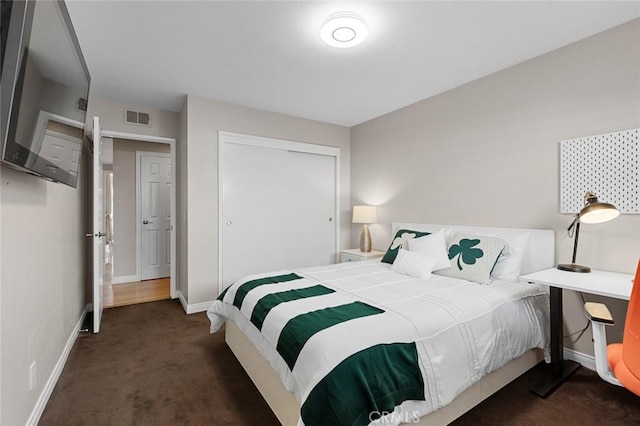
(365, 214)
(595, 211)
(599, 215)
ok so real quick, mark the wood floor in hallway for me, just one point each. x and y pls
(137, 292)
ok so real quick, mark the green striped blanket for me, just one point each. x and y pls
(357, 341)
(360, 387)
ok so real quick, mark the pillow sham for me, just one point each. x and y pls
(400, 240)
(472, 257)
(434, 245)
(414, 264)
(510, 263)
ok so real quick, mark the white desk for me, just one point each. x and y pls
(609, 284)
(602, 283)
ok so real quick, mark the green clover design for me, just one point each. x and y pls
(465, 251)
(399, 241)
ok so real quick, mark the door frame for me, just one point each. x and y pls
(264, 142)
(173, 278)
(139, 155)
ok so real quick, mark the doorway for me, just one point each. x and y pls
(137, 292)
(131, 282)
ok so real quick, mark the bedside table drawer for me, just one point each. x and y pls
(355, 255)
(348, 257)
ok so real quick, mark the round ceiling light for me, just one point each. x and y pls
(344, 29)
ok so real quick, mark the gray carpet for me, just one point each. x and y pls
(151, 364)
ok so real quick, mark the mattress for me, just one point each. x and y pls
(456, 331)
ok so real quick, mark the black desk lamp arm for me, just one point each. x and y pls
(576, 224)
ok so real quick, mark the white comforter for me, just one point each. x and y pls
(462, 330)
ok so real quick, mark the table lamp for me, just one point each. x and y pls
(365, 215)
(593, 211)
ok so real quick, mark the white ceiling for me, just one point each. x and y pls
(269, 55)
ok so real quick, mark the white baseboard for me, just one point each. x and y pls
(47, 390)
(183, 301)
(199, 307)
(193, 308)
(125, 279)
(587, 361)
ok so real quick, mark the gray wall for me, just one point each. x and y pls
(204, 119)
(124, 202)
(43, 275)
(487, 153)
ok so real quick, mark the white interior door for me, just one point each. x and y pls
(97, 227)
(155, 215)
(278, 210)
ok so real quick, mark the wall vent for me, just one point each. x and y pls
(138, 118)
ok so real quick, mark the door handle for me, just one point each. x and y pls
(98, 234)
(146, 222)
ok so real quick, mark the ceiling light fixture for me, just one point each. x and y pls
(344, 29)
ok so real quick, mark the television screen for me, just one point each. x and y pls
(45, 87)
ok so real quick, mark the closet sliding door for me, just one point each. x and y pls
(278, 205)
(311, 209)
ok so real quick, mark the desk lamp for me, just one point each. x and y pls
(593, 211)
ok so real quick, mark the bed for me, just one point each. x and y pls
(364, 342)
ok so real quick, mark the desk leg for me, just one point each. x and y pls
(560, 369)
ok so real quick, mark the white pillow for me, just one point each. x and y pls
(417, 265)
(434, 245)
(509, 264)
(473, 257)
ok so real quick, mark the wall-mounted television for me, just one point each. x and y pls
(44, 85)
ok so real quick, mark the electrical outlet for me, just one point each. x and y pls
(32, 376)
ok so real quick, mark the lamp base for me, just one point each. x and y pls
(573, 267)
(365, 239)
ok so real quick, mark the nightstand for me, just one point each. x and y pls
(355, 255)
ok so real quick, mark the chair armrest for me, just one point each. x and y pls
(598, 312)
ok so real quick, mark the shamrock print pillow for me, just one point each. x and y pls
(400, 240)
(472, 257)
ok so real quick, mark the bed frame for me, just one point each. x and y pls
(540, 254)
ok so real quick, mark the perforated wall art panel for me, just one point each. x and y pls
(604, 164)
